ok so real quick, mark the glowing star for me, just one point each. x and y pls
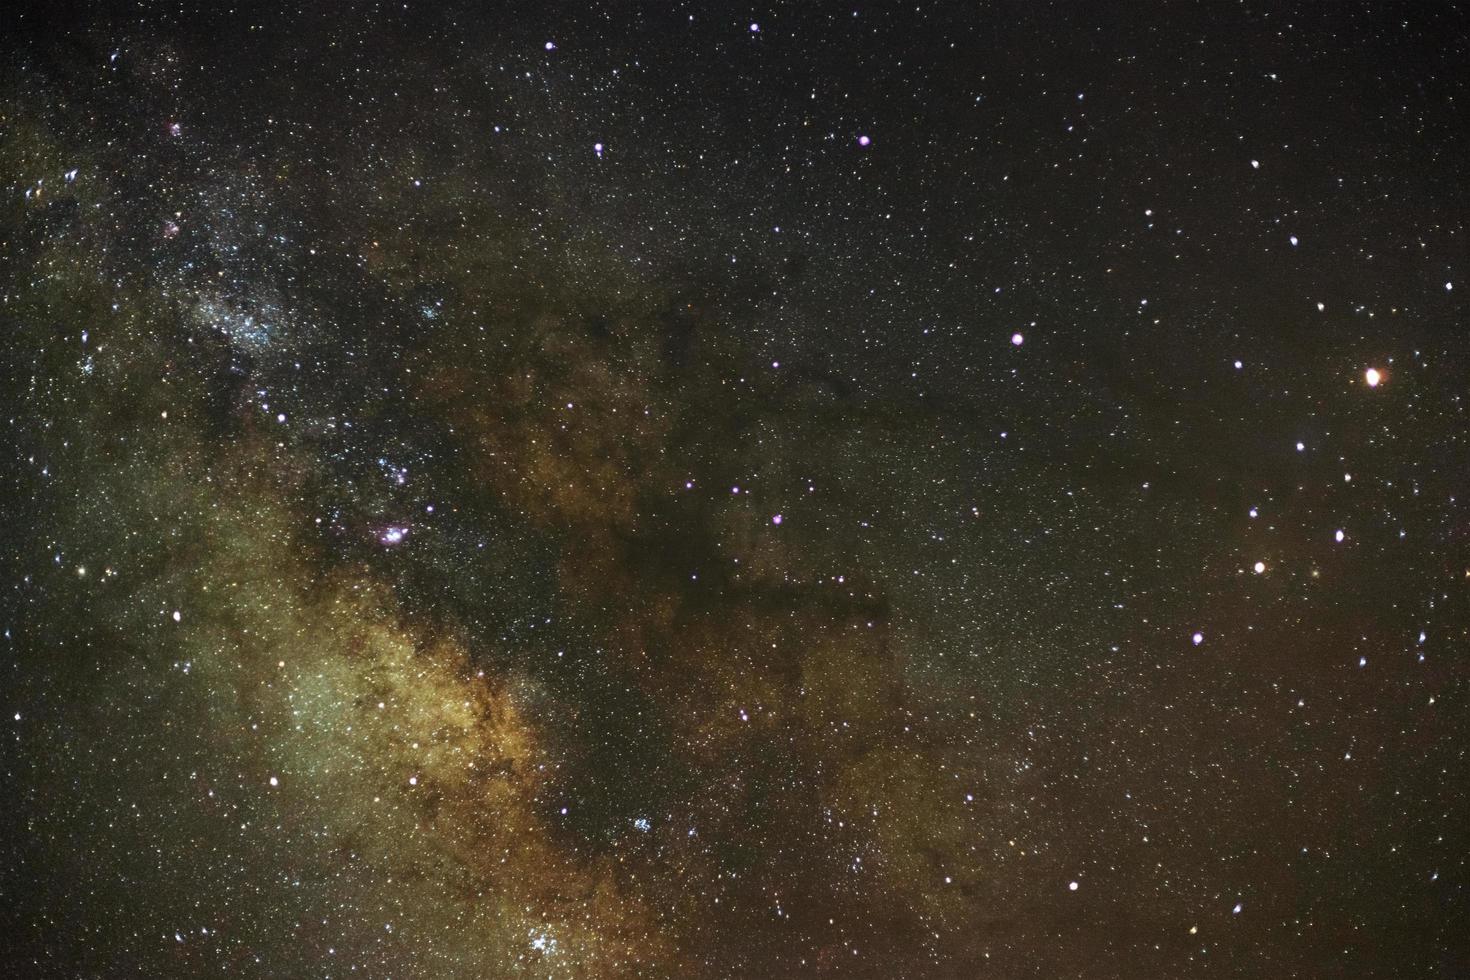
(1236, 910)
(1372, 376)
(1072, 886)
(550, 45)
(1293, 241)
(1255, 165)
(1339, 536)
(777, 519)
(393, 535)
(864, 141)
(597, 149)
(1197, 639)
(178, 615)
(1260, 567)
(755, 28)
(275, 781)
(1017, 340)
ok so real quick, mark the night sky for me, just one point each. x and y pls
(703, 490)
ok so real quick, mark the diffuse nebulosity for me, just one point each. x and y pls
(406, 613)
(490, 505)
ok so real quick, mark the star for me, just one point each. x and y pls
(380, 294)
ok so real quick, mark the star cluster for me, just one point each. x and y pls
(697, 491)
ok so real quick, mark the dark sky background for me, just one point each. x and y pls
(709, 490)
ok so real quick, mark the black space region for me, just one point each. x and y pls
(698, 490)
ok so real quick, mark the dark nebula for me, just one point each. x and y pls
(697, 491)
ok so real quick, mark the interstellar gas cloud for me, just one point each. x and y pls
(602, 490)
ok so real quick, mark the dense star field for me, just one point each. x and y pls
(698, 491)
